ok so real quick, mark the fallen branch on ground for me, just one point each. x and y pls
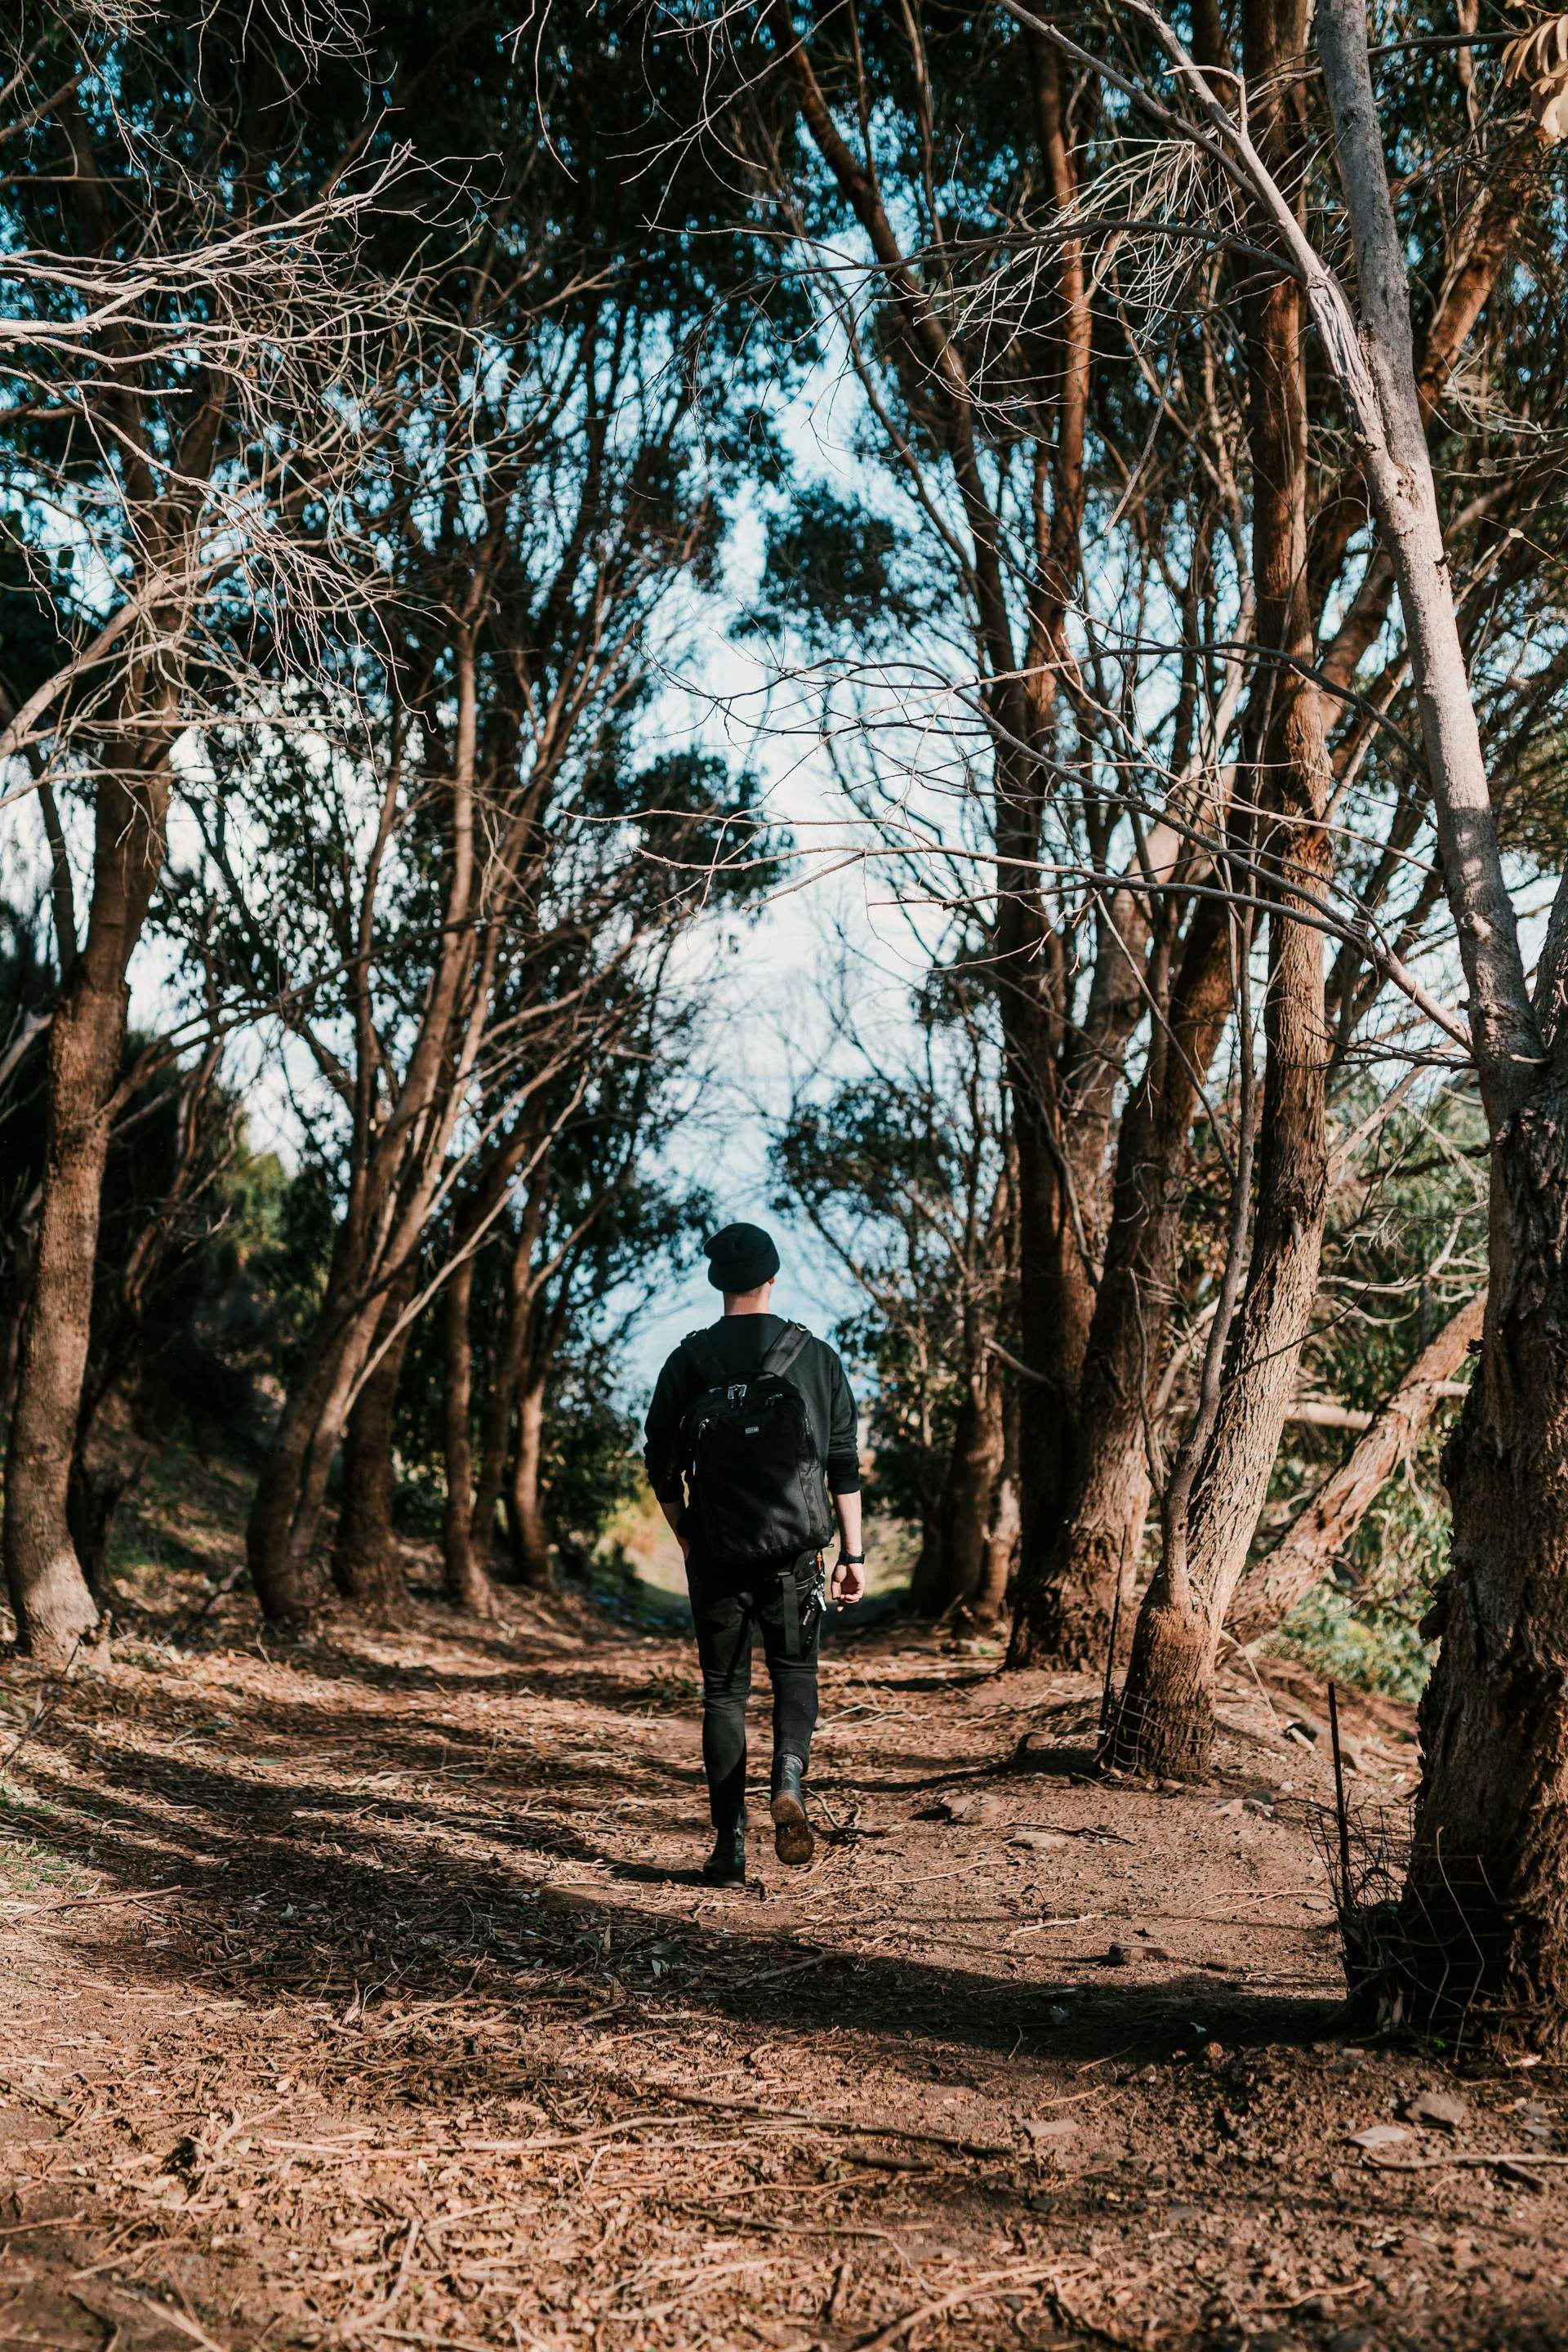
(833, 2123)
(991, 2283)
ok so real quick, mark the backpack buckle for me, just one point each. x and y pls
(735, 1393)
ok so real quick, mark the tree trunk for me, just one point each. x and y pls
(1056, 1305)
(1065, 1606)
(1168, 1713)
(971, 1493)
(93, 1496)
(366, 1569)
(518, 1340)
(525, 1514)
(928, 1579)
(492, 1479)
(1320, 1532)
(468, 1586)
(279, 1530)
(952, 1557)
(1165, 1717)
(54, 1609)
(1165, 1721)
(1485, 1907)
(1002, 1536)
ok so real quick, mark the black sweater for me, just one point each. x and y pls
(739, 1342)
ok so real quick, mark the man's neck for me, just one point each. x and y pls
(752, 1302)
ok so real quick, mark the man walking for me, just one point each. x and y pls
(751, 1452)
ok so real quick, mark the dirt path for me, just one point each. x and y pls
(362, 1993)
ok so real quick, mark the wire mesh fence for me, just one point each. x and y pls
(1424, 1935)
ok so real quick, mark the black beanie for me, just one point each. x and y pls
(742, 1257)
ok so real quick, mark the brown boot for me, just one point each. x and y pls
(792, 1839)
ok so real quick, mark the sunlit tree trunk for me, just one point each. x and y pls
(1486, 1901)
(1064, 1613)
(1165, 1717)
(55, 1611)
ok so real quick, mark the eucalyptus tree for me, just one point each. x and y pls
(1483, 1913)
(1486, 1893)
(458, 889)
(189, 323)
(568, 1200)
(1212, 1495)
(920, 174)
(1217, 738)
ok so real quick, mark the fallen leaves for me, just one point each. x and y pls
(453, 2056)
(1444, 2109)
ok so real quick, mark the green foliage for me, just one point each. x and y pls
(834, 574)
(1362, 1625)
(592, 1466)
(291, 1220)
(1405, 1248)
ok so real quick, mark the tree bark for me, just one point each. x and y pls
(530, 1534)
(1484, 1908)
(1165, 1719)
(1321, 1530)
(467, 1585)
(927, 1580)
(93, 1496)
(366, 1569)
(1062, 1088)
(517, 1343)
(1065, 1611)
(956, 1571)
(54, 1609)
(971, 1491)
(990, 1599)
(286, 1507)
(1164, 1716)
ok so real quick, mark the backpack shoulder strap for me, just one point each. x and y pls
(706, 1362)
(785, 1348)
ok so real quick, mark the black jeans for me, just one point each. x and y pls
(726, 1605)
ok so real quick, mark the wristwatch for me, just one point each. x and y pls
(851, 1559)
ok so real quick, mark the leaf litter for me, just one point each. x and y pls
(362, 1991)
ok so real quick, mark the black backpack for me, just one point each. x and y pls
(758, 1490)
